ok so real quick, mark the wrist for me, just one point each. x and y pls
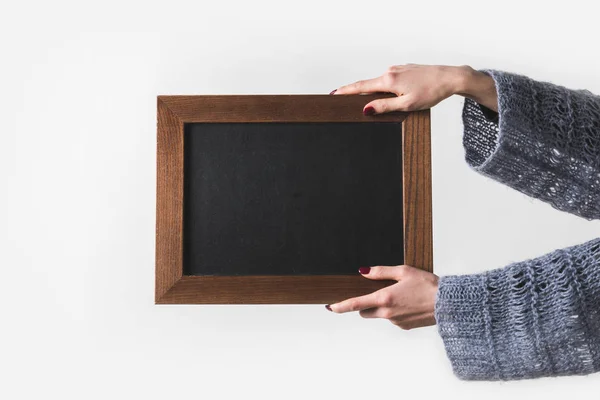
(463, 79)
(476, 86)
(431, 296)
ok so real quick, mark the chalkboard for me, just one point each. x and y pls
(279, 199)
(292, 198)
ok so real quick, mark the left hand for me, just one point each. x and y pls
(408, 304)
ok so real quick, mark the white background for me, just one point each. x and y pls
(78, 89)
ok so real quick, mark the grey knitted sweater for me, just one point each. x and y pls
(538, 317)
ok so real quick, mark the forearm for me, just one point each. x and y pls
(534, 318)
(544, 140)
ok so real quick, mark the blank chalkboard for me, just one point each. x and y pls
(291, 198)
(279, 199)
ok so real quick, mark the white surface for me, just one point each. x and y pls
(77, 166)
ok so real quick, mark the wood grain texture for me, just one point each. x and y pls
(418, 238)
(276, 108)
(172, 287)
(169, 200)
(257, 289)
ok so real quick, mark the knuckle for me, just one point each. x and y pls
(409, 103)
(390, 70)
(408, 270)
(401, 270)
(389, 78)
(386, 313)
(385, 299)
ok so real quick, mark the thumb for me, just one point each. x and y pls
(380, 106)
(381, 272)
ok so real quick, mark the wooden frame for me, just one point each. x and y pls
(172, 287)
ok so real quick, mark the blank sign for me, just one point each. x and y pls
(300, 198)
(280, 199)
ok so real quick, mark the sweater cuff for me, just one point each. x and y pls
(481, 136)
(530, 319)
(523, 149)
(463, 323)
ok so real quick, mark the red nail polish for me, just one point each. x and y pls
(364, 270)
(328, 307)
(369, 111)
(333, 91)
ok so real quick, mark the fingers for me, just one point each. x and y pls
(381, 272)
(405, 322)
(399, 103)
(364, 86)
(415, 322)
(381, 299)
(355, 304)
(376, 312)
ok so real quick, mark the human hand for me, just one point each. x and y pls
(420, 87)
(408, 304)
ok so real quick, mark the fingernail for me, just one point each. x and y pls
(333, 91)
(328, 307)
(364, 270)
(369, 111)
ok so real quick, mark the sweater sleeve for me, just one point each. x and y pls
(544, 142)
(535, 318)
(538, 317)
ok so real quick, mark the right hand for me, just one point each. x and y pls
(420, 87)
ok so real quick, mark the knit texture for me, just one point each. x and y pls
(545, 142)
(538, 317)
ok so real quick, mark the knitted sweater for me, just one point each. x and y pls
(541, 316)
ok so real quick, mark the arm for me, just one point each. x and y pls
(544, 140)
(539, 317)
(535, 318)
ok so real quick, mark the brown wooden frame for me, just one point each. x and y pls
(172, 287)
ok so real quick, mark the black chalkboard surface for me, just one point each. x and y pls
(300, 198)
